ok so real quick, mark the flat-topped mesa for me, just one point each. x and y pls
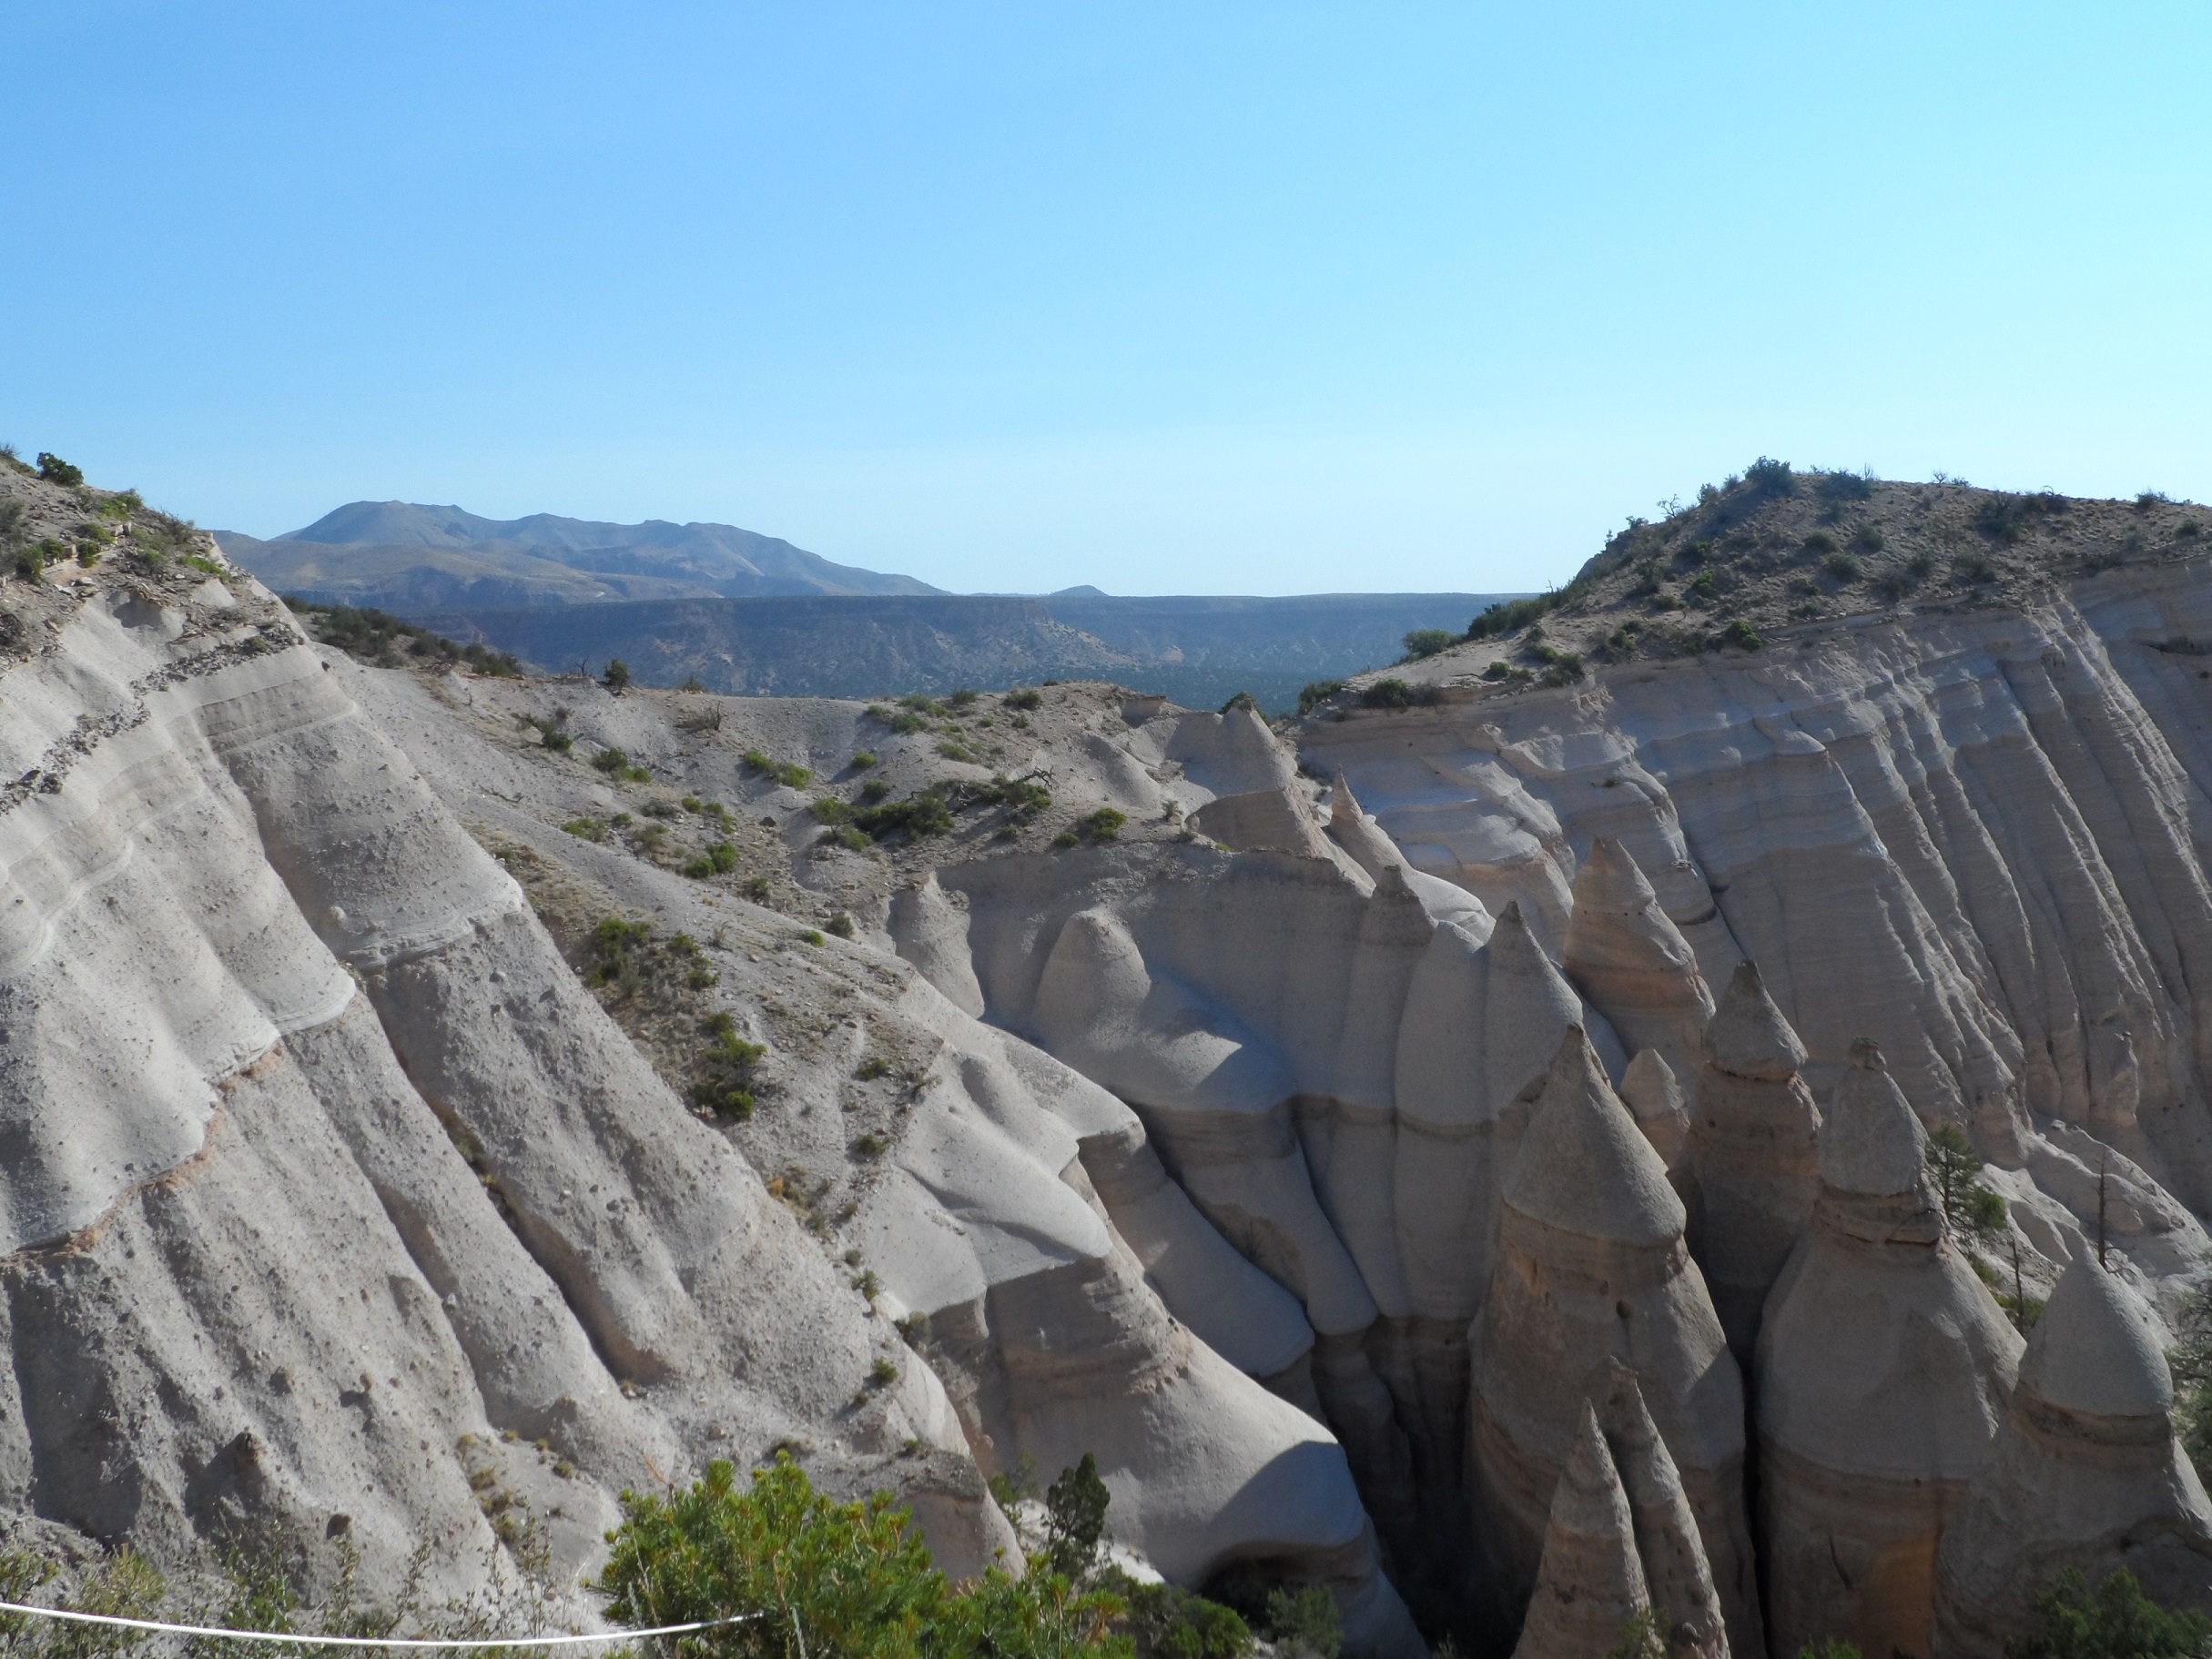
(1883, 1370)
(1652, 1089)
(1753, 1135)
(1676, 1572)
(1591, 1269)
(1625, 955)
(2085, 1472)
(1591, 1581)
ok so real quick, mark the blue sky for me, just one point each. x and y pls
(1212, 299)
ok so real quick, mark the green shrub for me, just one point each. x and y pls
(922, 814)
(611, 761)
(963, 698)
(2117, 1622)
(587, 829)
(1024, 798)
(1974, 1213)
(1820, 541)
(810, 936)
(953, 750)
(1103, 825)
(1692, 553)
(1770, 476)
(1741, 634)
(1843, 567)
(830, 810)
(1867, 539)
(874, 789)
(1508, 616)
(1243, 700)
(1427, 641)
(1314, 693)
(841, 924)
(617, 677)
(1397, 694)
(55, 471)
(1022, 697)
(1066, 838)
(1304, 1621)
(1843, 486)
(862, 760)
(1972, 570)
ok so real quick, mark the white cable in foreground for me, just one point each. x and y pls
(376, 1641)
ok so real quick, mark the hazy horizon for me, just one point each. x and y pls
(1252, 300)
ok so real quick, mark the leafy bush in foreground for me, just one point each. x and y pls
(830, 1581)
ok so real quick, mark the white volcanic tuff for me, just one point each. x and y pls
(1883, 1371)
(1750, 1165)
(1592, 1270)
(1591, 1581)
(1676, 1570)
(488, 1017)
(1976, 839)
(1043, 1290)
(1624, 953)
(2085, 1472)
(134, 872)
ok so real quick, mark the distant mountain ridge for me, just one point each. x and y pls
(1197, 649)
(396, 555)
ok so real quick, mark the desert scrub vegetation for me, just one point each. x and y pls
(1397, 695)
(789, 773)
(384, 640)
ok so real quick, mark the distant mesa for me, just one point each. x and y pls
(402, 555)
(744, 613)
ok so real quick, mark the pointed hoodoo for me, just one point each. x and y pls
(1653, 1091)
(1871, 1141)
(1584, 1166)
(1752, 1134)
(1625, 953)
(1527, 1008)
(1591, 1581)
(1592, 1269)
(2085, 1473)
(1884, 1371)
(1676, 1572)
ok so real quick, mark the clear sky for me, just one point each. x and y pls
(1175, 298)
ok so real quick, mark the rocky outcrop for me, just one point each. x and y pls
(1593, 1271)
(1590, 1582)
(1624, 953)
(1752, 1137)
(1883, 1371)
(2085, 1473)
(1651, 1089)
(1676, 1570)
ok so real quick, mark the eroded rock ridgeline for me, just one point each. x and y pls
(1377, 1186)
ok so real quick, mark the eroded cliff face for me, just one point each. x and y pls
(1412, 1185)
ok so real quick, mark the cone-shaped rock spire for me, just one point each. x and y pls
(1592, 1269)
(1653, 1091)
(1871, 1142)
(1752, 1139)
(1676, 1570)
(1591, 1581)
(1883, 1370)
(2085, 1472)
(1625, 955)
(1583, 1166)
(2095, 1351)
(1749, 1037)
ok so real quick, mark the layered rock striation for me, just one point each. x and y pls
(1883, 1371)
(2085, 1474)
